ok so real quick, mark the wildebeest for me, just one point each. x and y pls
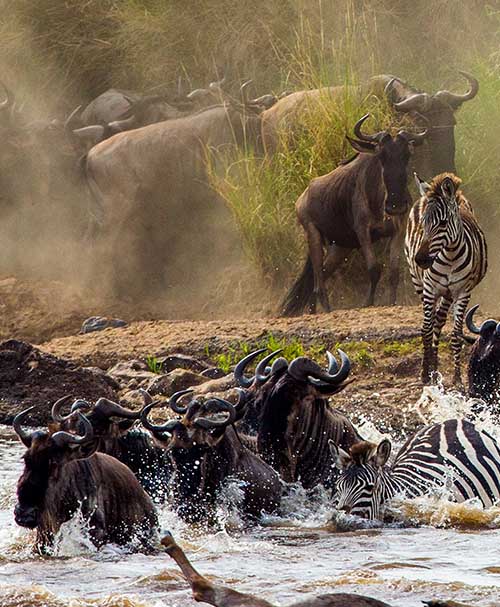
(447, 256)
(484, 362)
(207, 453)
(221, 596)
(434, 112)
(454, 452)
(295, 421)
(114, 435)
(62, 475)
(351, 208)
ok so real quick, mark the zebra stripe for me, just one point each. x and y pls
(447, 256)
(454, 451)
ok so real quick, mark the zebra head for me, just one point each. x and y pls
(440, 219)
(360, 486)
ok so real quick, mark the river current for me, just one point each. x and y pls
(435, 550)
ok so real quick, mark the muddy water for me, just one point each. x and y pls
(453, 554)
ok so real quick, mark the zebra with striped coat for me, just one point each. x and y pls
(452, 454)
(446, 252)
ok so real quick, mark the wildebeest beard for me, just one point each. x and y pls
(32, 488)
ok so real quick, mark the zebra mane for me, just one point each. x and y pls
(361, 452)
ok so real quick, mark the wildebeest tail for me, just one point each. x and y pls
(299, 296)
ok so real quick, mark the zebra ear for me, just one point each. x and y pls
(448, 187)
(383, 452)
(422, 186)
(341, 459)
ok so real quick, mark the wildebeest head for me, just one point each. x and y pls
(359, 487)
(488, 336)
(393, 154)
(438, 112)
(47, 453)
(440, 219)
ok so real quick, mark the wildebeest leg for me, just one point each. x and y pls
(374, 267)
(335, 257)
(395, 251)
(203, 589)
(457, 336)
(429, 306)
(440, 320)
(315, 242)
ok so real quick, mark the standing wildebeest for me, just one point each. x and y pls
(435, 112)
(453, 451)
(295, 421)
(115, 436)
(153, 194)
(221, 596)
(206, 453)
(62, 475)
(350, 208)
(446, 253)
(484, 362)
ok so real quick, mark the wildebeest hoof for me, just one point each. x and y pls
(98, 323)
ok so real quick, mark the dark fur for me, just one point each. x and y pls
(484, 370)
(56, 481)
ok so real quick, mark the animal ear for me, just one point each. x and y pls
(364, 147)
(383, 452)
(422, 186)
(341, 459)
(81, 451)
(448, 188)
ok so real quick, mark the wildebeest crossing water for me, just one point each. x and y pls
(305, 551)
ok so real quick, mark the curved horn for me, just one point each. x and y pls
(17, 425)
(469, 320)
(94, 133)
(243, 397)
(69, 123)
(420, 102)
(65, 438)
(244, 92)
(58, 406)
(363, 136)
(110, 409)
(80, 403)
(415, 138)
(198, 94)
(220, 405)
(261, 374)
(304, 369)
(9, 98)
(239, 369)
(161, 428)
(456, 100)
(173, 401)
(497, 330)
(333, 366)
(146, 396)
(118, 126)
(217, 84)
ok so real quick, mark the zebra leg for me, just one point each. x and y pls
(429, 307)
(440, 320)
(457, 337)
(315, 242)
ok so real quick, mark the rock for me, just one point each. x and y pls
(30, 377)
(125, 372)
(98, 323)
(182, 361)
(179, 379)
(216, 385)
(213, 373)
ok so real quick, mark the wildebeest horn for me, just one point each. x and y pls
(415, 138)
(261, 373)
(80, 403)
(94, 133)
(57, 408)
(304, 369)
(420, 102)
(456, 100)
(219, 405)
(173, 401)
(363, 136)
(197, 94)
(244, 93)
(110, 409)
(16, 424)
(265, 101)
(239, 369)
(242, 400)
(217, 84)
(167, 427)
(469, 320)
(69, 123)
(148, 399)
(117, 126)
(9, 98)
(66, 438)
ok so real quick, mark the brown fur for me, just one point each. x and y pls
(361, 452)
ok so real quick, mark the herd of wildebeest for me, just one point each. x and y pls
(115, 465)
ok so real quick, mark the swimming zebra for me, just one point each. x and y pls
(453, 453)
(446, 252)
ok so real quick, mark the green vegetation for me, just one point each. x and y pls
(154, 365)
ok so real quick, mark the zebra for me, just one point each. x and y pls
(453, 453)
(446, 252)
